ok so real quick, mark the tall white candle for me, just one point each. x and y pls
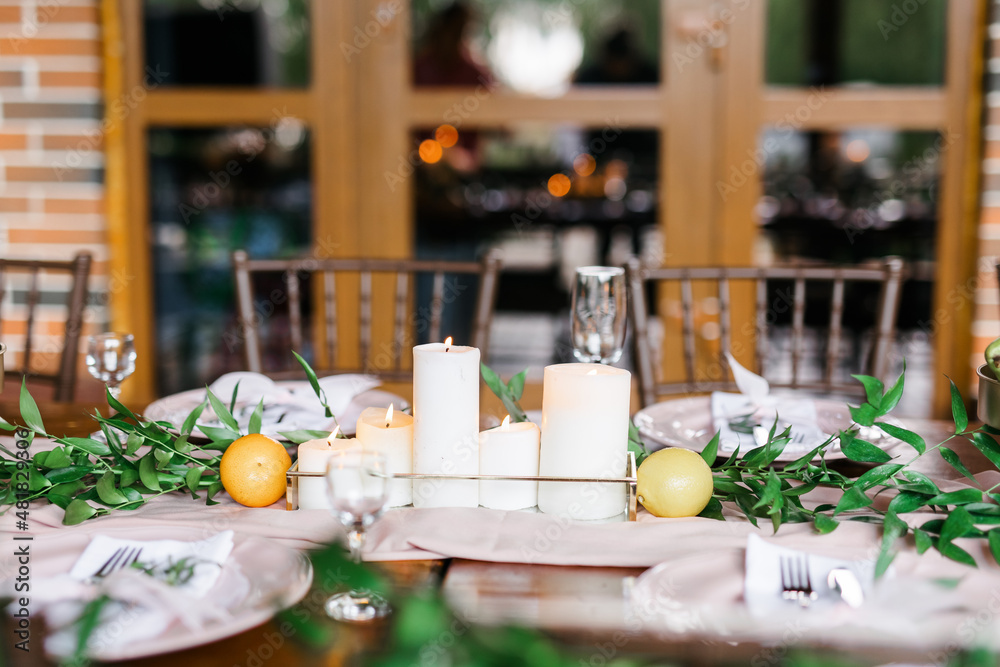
(313, 457)
(390, 433)
(585, 412)
(509, 449)
(445, 424)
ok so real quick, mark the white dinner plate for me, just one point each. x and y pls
(259, 578)
(686, 422)
(308, 414)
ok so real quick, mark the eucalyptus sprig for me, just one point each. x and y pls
(137, 459)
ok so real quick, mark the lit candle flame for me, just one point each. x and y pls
(505, 424)
(447, 343)
(388, 416)
(593, 372)
(333, 435)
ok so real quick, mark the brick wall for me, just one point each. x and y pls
(51, 165)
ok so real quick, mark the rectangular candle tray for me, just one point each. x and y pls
(630, 480)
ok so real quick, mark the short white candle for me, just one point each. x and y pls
(509, 449)
(313, 457)
(445, 424)
(390, 433)
(585, 412)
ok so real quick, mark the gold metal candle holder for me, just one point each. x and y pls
(630, 480)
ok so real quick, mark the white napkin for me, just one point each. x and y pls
(289, 408)
(142, 607)
(762, 585)
(756, 401)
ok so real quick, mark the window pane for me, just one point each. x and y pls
(855, 196)
(813, 42)
(228, 42)
(214, 191)
(552, 198)
(536, 46)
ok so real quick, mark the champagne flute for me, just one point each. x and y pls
(598, 313)
(111, 359)
(358, 487)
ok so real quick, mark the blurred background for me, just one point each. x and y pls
(163, 134)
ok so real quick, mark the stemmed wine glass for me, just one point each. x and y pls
(111, 359)
(597, 320)
(358, 487)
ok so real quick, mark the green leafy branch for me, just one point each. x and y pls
(509, 392)
(136, 460)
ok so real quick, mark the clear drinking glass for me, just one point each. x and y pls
(111, 358)
(358, 487)
(597, 321)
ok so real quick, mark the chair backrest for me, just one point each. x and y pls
(64, 379)
(325, 273)
(889, 276)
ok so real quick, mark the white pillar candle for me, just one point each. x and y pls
(509, 449)
(445, 424)
(585, 412)
(313, 457)
(390, 433)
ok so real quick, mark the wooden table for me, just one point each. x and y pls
(546, 597)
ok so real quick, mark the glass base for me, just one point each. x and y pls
(357, 606)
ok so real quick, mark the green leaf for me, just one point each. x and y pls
(907, 501)
(958, 409)
(862, 451)
(86, 624)
(854, 499)
(216, 433)
(78, 511)
(920, 483)
(53, 459)
(923, 540)
(961, 497)
(958, 524)
(892, 530)
(29, 409)
(877, 475)
(89, 445)
(892, 396)
(313, 382)
(133, 443)
(952, 458)
(298, 437)
(192, 418)
(236, 391)
(994, 540)
(711, 450)
(163, 457)
(70, 474)
(129, 477)
(182, 444)
(516, 385)
(956, 553)
(909, 437)
(192, 478)
(147, 472)
(864, 414)
(223, 413)
(6, 425)
(988, 446)
(873, 389)
(257, 418)
(107, 491)
(713, 510)
(213, 489)
(119, 407)
(824, 524)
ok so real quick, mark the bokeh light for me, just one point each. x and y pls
(430, 151)
(446, 135)
(559, 185)
(584, 164)
(857, 150)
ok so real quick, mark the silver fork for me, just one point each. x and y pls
(796, 583)
(120, 559)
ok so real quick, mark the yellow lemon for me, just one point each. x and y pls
(674, 482)
(253, 469)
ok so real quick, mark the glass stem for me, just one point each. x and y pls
(356, 541)
(115, 389)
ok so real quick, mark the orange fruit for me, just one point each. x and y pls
(253, 469)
